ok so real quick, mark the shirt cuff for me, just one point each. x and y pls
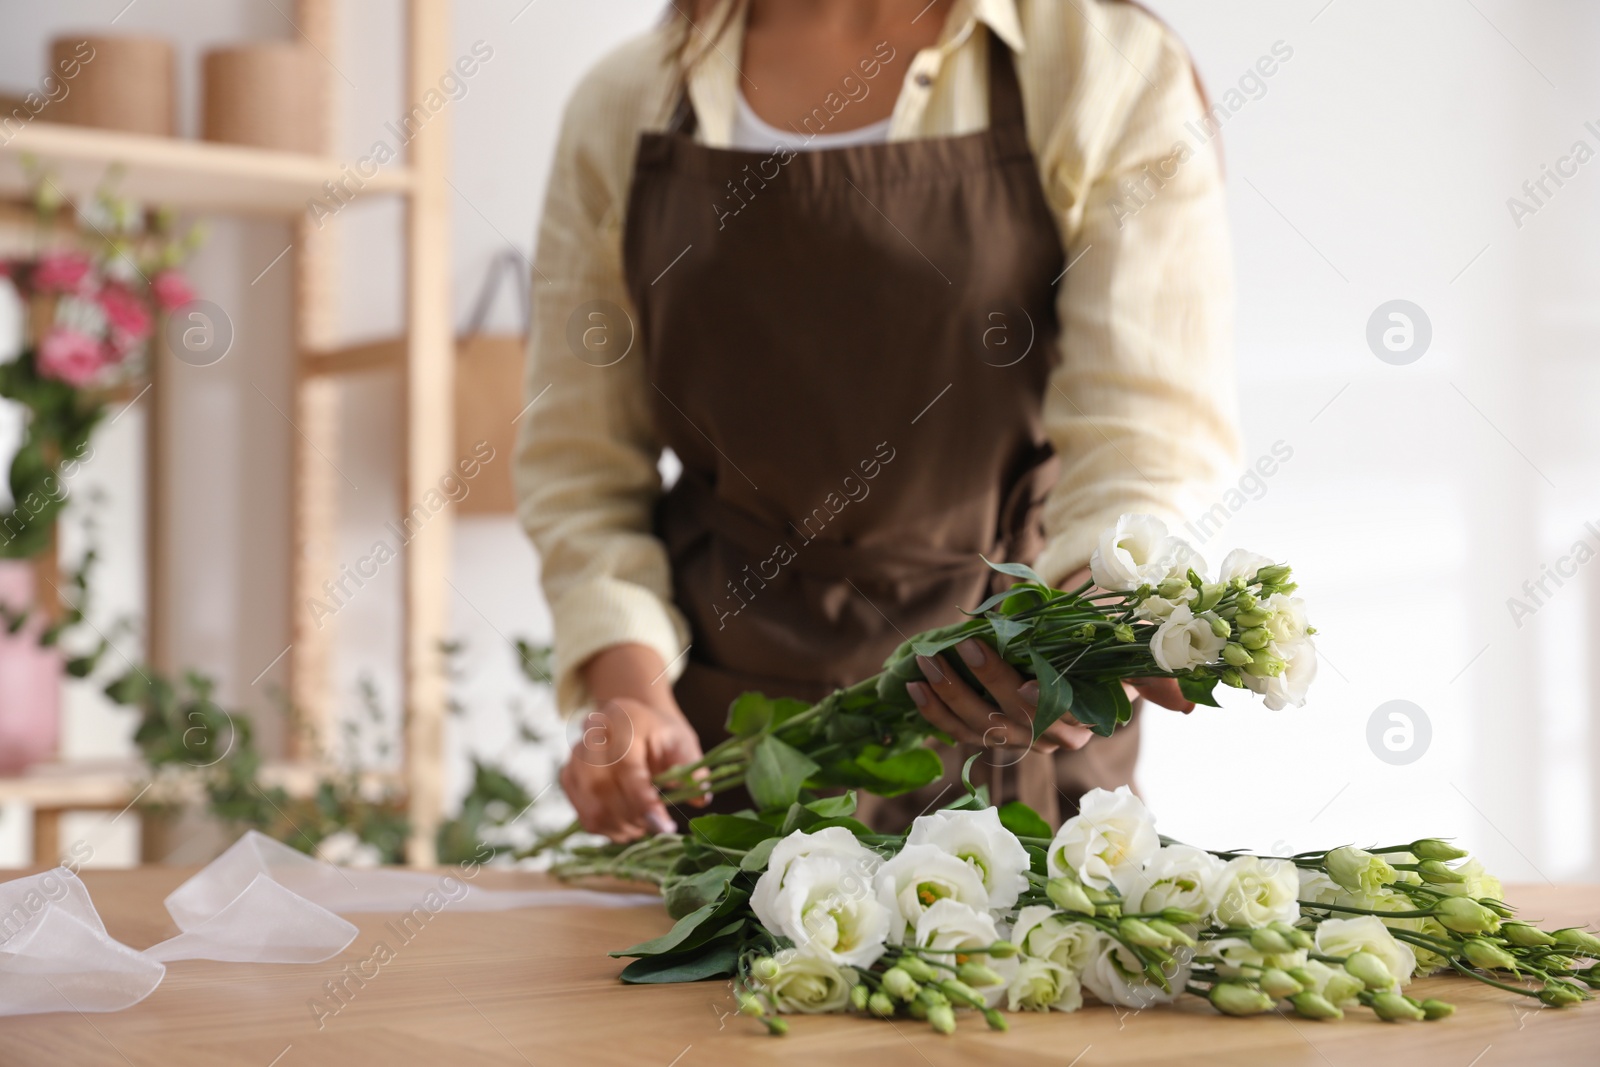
(603, 612)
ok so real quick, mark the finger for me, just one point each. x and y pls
(997, 676)
(1028, 694)
(956, 695)
(591, 813)
(1069, 735)
(1164, 691)
(933, 709)
(641, 797)
(619, 816)
(674, 749)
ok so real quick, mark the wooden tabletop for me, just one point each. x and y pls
(535, 987)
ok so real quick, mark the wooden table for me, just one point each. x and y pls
(535, 987)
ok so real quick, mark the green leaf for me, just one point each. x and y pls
(1023, 820)
(756, 858)
(717, 959)
(752, 713)
(933, 646)
(1199, 690)
(1007, 630)
(694, 929)
(1056, 695)
(777, 773)
(834, 807)
(894, 775)
(730, 831)
(684, 896)
(1016, 570)
(1101, 706)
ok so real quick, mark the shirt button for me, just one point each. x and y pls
(923, 80)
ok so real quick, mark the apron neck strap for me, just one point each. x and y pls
(1005, 95)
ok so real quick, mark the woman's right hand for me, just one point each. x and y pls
(634, 731)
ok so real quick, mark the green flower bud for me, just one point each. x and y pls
(976, 974)
(1236, 654)
(1372, 971)
(1431, 848)
(1255, 639)
(1210, 593)
(765, 968)
(942, 1018)
(931, 996)
(917, 968)
(1437, 1009)
(1141, 933)
(1245, 601)
(1003, 950)
(1180, 915)
(881, 1006)
(1264, 664)
(776, 1027)
(1580, 939)
(1123, 633)
(1357, 869)
(1558, 963)
(1342, 985)
(995, 1020)
(1166, 929)
(1067, 893)
(1269, 941)
(1465, 916)
(1172, 588)
(1236, 998)
(1296, 937)
(1436, 872)
(1499, 907)
(1488, 955)
(897, 982)
(1314, 1006)
(917, 1009)
(1392, 1007)
(750, 1004)
(1219, 627)
(1559, 994)
(1252, 618)
(1084, 632)
(858, 996)
(959, 991)
(1231, 677)
(1276, 574)
(1278, 984)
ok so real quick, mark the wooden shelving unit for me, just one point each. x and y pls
(204, 178)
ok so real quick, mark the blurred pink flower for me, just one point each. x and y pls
(127, 316)
(70, 356)
(171, 290)
(62, 272)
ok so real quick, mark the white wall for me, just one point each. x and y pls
(1417, 500)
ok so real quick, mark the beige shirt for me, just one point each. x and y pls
(1141, 407)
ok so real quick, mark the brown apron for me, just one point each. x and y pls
(848, 350)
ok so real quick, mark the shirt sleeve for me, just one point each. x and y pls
(1142, 407)
(586, 463)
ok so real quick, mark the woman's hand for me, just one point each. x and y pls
(950, 704)
(634, 732)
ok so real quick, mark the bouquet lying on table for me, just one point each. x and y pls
(1150, 611)
(983, 908)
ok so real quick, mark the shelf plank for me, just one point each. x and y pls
(196, 176)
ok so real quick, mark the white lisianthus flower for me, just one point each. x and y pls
(1043, 933)
(1358, 870)
(834, 841)
(1137, 551)
(917, 879)
(949, 926)
(1320, 973)
(1185, 641)
(1107, 842)
(1478, 882)
(810, 985)
(1288, 623)
(1177, 876)
(1253, 891)
(1242, 563)
(1366, 933)
(1115, 975)
(1234, 957)
(1317, 886)
(1043, 985)
(828, 908)
(978, 838)
(1289, 688)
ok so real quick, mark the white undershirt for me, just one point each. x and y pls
(752, 134)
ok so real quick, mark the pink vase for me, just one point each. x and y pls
(30, 679)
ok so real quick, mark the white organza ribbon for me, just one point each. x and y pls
(258, 902)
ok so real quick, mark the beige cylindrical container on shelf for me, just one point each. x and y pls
(268, 95)
(118, 83)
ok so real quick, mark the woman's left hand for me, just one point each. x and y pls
(954, 707)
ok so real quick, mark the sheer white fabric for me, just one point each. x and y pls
(259, 902)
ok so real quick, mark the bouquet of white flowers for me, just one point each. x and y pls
(1151, 611)
(984, 909)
